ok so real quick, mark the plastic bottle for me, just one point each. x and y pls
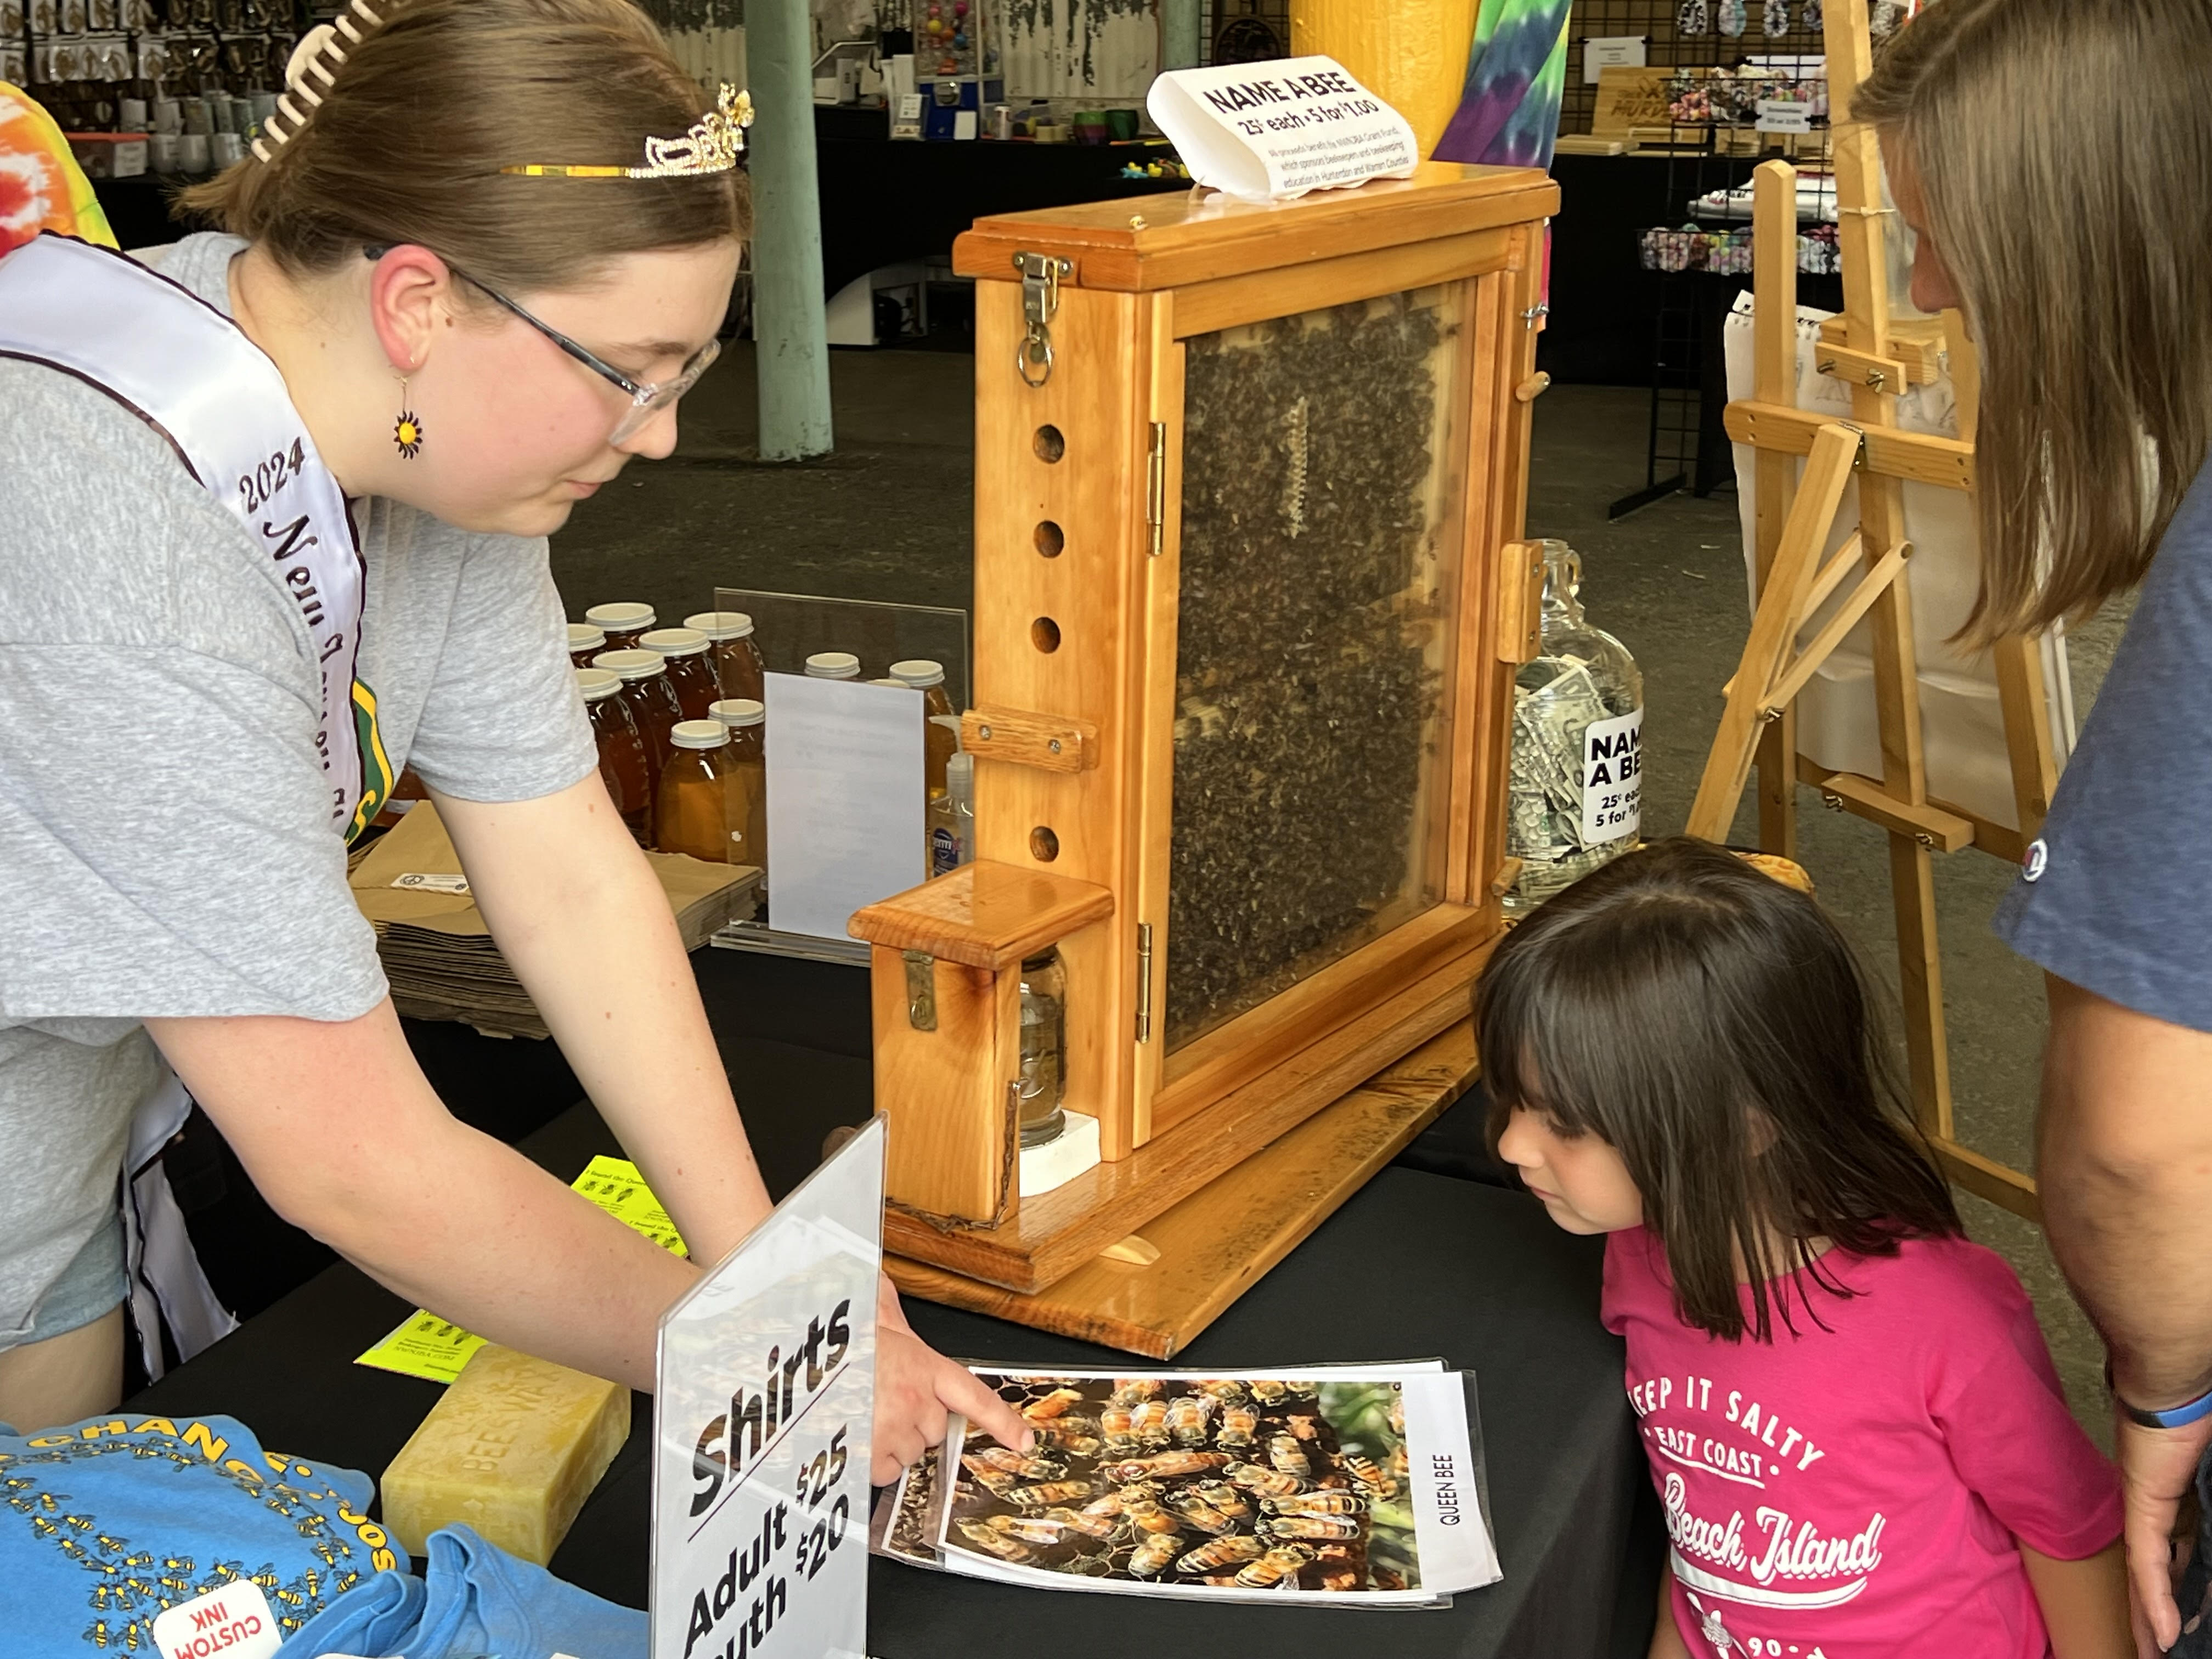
(624, 764)
(1043, 1082)
(586, 642)
(690, 670)
(833, 666)
(652, 699)
(953, 818)
(937, 743)
(744, 719)
(738, 665)
(622, 621)
(1577, 779)
(692, 810)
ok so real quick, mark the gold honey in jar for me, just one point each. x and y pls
(738, 669)
(692, 810)
(690, 668)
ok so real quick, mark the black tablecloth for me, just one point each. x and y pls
(1416, 1264)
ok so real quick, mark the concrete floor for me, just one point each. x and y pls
(888, 517)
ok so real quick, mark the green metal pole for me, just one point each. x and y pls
(1181, 22)
(789, 308)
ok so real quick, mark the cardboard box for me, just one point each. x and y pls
(108, 154)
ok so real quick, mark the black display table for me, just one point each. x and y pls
(1415, 1266)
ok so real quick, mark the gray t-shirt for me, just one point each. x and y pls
(165, 839)
(2116, 896)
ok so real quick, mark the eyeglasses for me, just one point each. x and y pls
(646, 399)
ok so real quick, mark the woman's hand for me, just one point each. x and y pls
(916, 1388)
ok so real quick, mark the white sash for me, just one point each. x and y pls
(186, 370)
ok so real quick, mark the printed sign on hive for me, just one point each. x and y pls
(1271, 132)
(760, 1431)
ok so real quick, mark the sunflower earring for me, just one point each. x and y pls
(407, 431)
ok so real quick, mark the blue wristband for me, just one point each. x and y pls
(2175, 1417)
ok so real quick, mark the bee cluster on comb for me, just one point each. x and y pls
(1250, 1484)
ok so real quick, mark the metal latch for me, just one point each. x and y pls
(1535, 314)
(1156, 491)
(1144, 981)
(920, 990)
(1041, 274)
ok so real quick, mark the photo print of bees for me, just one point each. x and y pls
(1205, 1483)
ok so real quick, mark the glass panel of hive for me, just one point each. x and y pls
(1322, 519)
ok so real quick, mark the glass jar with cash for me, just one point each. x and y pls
(1578, 778)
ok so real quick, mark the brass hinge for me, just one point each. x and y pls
(1145, 980)
(1156, 491)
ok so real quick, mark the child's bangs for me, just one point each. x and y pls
(1533, 1038)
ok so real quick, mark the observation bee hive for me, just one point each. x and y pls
(1249, 592)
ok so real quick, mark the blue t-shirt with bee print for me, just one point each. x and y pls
(107, 1523)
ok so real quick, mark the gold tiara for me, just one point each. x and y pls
(712, 145)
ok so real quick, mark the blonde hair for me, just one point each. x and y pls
(414, 124)
(2063, 149)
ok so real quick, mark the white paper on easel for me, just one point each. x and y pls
(844, 798)
(1271, 132)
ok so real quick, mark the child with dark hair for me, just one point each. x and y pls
(1850, 1416)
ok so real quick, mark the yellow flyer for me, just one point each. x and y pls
(435, 1349)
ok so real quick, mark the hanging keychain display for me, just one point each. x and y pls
(1734, 16)
(1776, 20)
(1693, 18)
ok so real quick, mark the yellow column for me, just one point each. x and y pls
(1412, 52)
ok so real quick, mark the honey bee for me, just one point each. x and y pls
(1266, 1483)
(1167, 1466)
(1153, 1518)
(1200, 1514)
(1150, 1421)
(1362, 1470)
(1151, 1556)
(1398, 1465)
(998, 1482)
(1031, 1529)
(1303, 1426)
(1288, 1456)
(1054, 1404)
(1051, 1492)
(1129, 1390)
(1029, 1468)
(1238, 1423)
(1224, 1497)
(1269, 1392)
(1221, 1553)
(1311, 1526)
(1075, 1445)
(1311, 1391)
(1227, 1390)
(1091, 1526)
(993, 1542)
(1188, 1419)
(1330, 1502)
(1122, 1499)
(1398, 1414)
(1116, 1424)
(1277, 1566)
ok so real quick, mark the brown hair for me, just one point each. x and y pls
(408, 144)
(2062, 149)
(1713, 1027)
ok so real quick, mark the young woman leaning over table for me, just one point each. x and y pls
(280, 513)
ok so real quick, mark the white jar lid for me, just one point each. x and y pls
(698, 734)
(738, 711)
(625, 617)
(596, 682)
(918, 672)
(833, 666)
(584, 636)
(722, 624)
(632, 665)
(674, 641)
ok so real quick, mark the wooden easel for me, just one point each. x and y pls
(1795, 520)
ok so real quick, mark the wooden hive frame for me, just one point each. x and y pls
(1078, 487)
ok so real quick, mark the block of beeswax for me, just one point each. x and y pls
(513, 1450)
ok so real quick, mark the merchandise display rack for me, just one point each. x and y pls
(82, 58)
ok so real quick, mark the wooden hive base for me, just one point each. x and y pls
(1215, 1244)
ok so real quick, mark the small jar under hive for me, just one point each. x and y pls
(1249, 594)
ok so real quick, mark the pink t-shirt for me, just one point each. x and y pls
(1854, 1491)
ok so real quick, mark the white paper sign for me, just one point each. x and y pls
(760, 1431)
(844, 799)
(1612, 778)
(1784, 115)
(1271, 132)
(232, 1622)
(1606, 52)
